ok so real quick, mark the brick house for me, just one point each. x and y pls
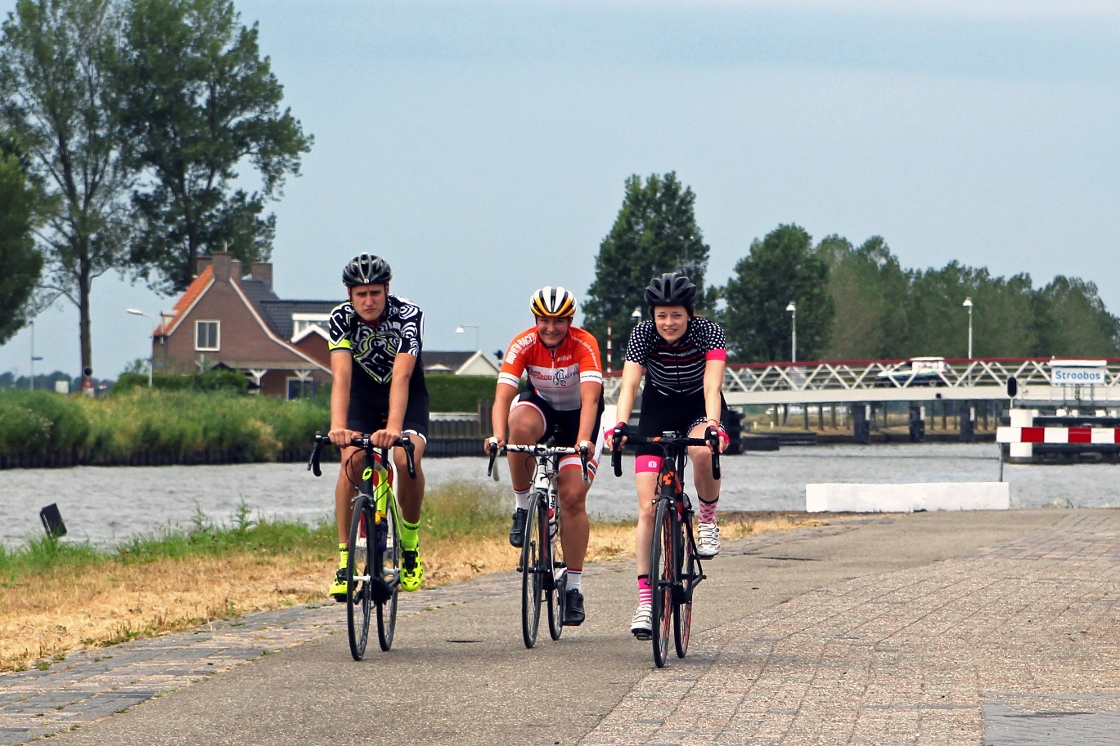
(237, 321)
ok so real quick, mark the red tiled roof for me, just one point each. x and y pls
(193, 291)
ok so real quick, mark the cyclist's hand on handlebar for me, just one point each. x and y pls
(619, 432)
(492, 442)
(586, 446)
(385, 438)
(724, 440)
(341, 437)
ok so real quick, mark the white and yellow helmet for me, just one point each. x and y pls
(553, 303)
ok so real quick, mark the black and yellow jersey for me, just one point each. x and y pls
(375, 347)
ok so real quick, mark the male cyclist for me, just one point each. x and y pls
(563, 398)
(682, 357)
(378, 387)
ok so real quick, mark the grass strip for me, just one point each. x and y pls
(56, 596)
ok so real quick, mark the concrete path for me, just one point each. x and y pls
(967, 628)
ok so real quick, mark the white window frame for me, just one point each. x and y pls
(308, 380)
(217, 335)
(302, 321)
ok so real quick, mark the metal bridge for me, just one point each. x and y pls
(896, 380)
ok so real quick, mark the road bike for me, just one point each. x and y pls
(674, 565)
(543, 571)
(373, 568)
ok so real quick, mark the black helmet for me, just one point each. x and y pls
(366, 269)
(671, 289)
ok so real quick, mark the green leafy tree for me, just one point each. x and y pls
(20, 262)
(655, 232)
(1072, 321)
(56, 62)
(781, 268)
(868, 289)
(198, 101)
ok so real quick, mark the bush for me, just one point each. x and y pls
(450, 393)
(216, 379)
(42, 422)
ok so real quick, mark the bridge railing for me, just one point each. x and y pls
(852, 380)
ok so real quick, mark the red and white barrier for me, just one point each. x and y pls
(1106, 435)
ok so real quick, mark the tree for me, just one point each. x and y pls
(1072, 321)
(655, 232)
(20, 263)
(868, 289)
(56, 60)
(197, 102)
(781, 268)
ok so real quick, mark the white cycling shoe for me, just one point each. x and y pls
(642, 626)
(707, 540)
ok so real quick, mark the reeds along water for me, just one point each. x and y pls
(143, 426)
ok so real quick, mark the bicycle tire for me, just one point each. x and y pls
(687, 572)
(556, 581)
(530, 578)
(390, 564)
(661, 579)
(359, 599)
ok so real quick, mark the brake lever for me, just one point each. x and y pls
(408, 446)
(584, 457)
(616, 454)
(713, 442)
(313, 462)
(490, 470)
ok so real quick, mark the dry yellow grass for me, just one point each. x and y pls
(111, 602)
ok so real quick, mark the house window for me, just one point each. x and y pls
(301, 322)
(298, 389)
(207, 336)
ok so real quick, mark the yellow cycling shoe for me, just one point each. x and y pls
(338, 587)
(412, 570)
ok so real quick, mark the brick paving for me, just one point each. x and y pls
(1015, 643)
(94, 683)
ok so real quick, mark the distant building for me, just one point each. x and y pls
(476, 363)
(238, 322)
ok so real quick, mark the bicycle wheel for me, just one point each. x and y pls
(688, 569)
(556, 580)
(661, 578)
(531, 577)
(389, 556)
(359, 599)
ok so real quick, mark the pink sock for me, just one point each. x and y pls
(645, 592)
(708, 510)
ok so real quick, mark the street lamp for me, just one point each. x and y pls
(137, 312)
(636, 314)
(33, 358)
(793, 348)
(968, 304)
(462, 328)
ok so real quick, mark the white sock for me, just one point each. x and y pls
(575, 580)
(522, 499)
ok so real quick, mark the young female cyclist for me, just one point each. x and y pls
(375, 343)
(682, 357)
(563, 397)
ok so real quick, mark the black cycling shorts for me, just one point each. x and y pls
(677, 413)
(367, 417)
(563, 424)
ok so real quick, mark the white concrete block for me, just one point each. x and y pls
(906, 498)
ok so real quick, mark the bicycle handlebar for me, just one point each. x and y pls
(539, 450)
(710, 439)
(365, 444)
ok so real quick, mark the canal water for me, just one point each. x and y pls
(107, 504)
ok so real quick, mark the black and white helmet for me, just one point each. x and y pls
(366, 269)
(671, 289)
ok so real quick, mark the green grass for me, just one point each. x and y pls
(452, 510)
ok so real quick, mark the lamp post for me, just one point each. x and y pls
(968, 304)
(636, 314)
(462, 329)
(33, 358)
(137, 312)
(792, 308)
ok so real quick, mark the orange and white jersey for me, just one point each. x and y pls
(554, 374)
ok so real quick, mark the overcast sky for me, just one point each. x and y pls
(482, 147)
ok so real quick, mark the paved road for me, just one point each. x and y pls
(913, 629)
